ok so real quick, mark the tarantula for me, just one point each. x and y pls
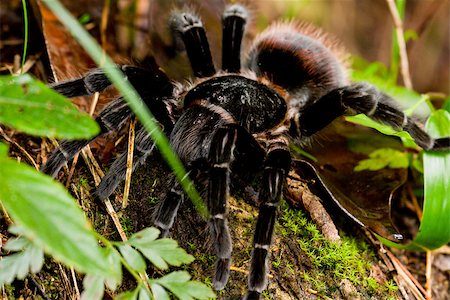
(237, 120)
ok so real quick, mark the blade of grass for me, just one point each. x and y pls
(434, 229)
(25, 39)
(130, 95)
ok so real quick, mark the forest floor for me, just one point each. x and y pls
(317, 252)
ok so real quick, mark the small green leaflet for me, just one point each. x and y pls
(179, 284)
(384, 158)
(30, 258)
(93, 287)
(364, 120)
(33, 108)
(132, 257)
(50, 217)
(160, 252)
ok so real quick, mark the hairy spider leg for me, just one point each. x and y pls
(233, 26)
(143, 147)
(153, 86)
(190, 28)
(113, 116)
(366, 99)
(220, 158)
(167, 209)
(276, 167)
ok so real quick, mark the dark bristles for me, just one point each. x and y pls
(233, 24)
(191, 31)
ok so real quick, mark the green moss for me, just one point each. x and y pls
(390, 286)
(265, 295)
(82, 181)
(351, 259)
(152, 200)
(127, 225)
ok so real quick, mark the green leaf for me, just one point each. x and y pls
(446, 105)
(132, 257)
(159, 293)
(180, 285)
(382, 158)
(30, 106)
(114, 278)
(129, 295)
(144, 294)
(16, 244)
(146, 235)
(49, 216)
(160, 252)
(94, 287)
(18, 265)
(434, 228)
(3, 150)
(364, 120)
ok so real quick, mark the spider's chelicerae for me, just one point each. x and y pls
(237, 120)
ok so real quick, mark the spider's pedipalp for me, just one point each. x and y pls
(233, 25)
(190, 28)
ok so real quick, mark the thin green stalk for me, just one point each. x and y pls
(25, 42)
(131, 96)
(395, 51)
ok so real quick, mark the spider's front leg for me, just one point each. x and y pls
(153, 86)
(276, 167)
(220, 157)
(366, 99)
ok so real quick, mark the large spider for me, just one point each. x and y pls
(237, 120)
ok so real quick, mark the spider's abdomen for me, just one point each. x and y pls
(297, 58)
(253, 105)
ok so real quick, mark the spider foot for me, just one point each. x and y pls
(252, 295)
(222, 273)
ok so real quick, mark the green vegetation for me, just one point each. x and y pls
(55, 224)
(351, 259)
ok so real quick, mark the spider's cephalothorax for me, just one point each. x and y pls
(294, 85)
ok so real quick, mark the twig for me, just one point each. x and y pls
(8, 220)
(36, 284)
(104, 22)
(28, 156)
(126, 191)
(244, 271)
(318, 294)
(416, 205)
(72, 169)
(404, 65)
(115, 219)
(75, 283)
(65, 279)
(415, 287)
(429, 281)
(97, 172)
(75, 158)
